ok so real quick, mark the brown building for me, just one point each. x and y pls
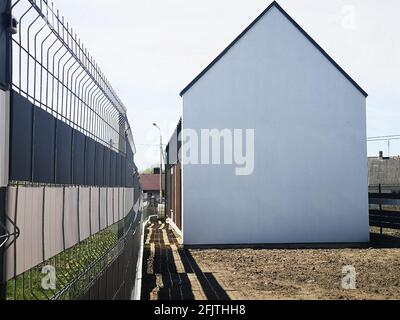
(151, 185)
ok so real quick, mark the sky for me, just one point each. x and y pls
(150, 50)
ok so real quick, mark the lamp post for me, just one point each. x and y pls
(161, 157)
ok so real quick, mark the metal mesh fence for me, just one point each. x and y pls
(73, 219)
(53, 69)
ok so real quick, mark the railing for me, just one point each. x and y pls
(384, 207)
(53, 69)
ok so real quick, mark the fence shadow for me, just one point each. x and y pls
(209, 284)
(382, 241)
(164, 280)
(161, 278)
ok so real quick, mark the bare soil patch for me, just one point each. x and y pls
(306, 274)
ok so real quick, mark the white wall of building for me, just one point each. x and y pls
(310, 179)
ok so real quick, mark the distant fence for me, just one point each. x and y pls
(173, 178)
(384, 204)
(72, 222)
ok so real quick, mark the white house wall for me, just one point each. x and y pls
(310, 179)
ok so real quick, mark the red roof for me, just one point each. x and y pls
(150, 182)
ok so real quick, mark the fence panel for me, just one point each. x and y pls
(70, 199)
(384, 204)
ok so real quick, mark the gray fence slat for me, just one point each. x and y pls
(385, 201)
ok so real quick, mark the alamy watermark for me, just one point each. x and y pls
(219, 147)
(349, 279)
(49, 279)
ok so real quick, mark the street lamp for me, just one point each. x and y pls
(161, 157)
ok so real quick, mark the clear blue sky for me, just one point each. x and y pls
(150, 50)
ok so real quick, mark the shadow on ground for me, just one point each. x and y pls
(171, 273)
(384, 240)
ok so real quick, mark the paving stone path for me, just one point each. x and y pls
(171, 273)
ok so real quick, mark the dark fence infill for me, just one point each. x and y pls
(384, 207)
(43, 149)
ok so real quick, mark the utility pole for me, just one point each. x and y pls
(161, 159)
(161, 169)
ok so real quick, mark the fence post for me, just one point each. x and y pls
(122, 134)
(380, 205)
(5, 83)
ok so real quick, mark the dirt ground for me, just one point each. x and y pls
(172, 272)
(307, 274)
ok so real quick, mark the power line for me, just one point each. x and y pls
(149, 145)
(392, 137)
(384, 138)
